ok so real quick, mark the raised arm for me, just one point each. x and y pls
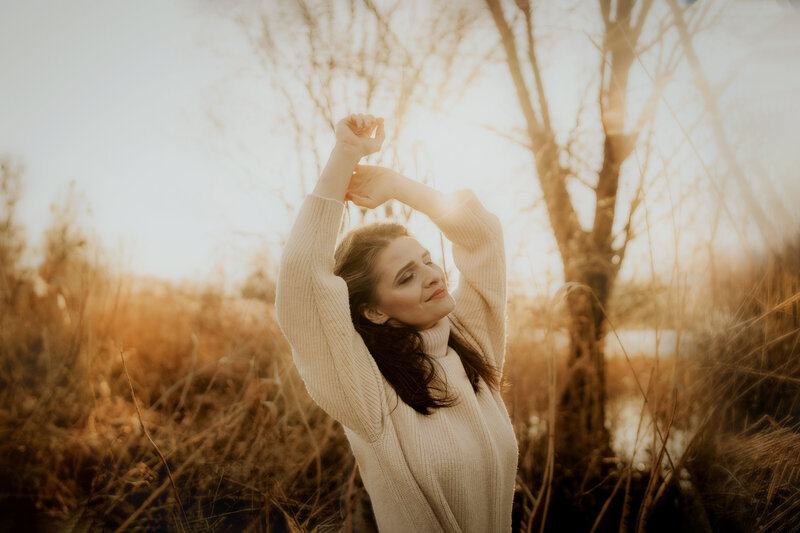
(479, 255)
(312, 303)
(353, 141)
(478, 250)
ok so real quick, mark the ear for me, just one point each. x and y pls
(374, 315)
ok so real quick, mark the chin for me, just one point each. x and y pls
(451, 304)
(447, 307)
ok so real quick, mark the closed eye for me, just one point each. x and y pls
(410, 275)
(426, 258)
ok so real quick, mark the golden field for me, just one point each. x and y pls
(234, 443)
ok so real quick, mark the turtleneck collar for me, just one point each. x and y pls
(434, 339)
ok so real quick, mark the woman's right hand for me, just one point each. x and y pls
(354, 133)
(370, 186)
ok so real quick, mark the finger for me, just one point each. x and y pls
(358, 120)
(358, 200)
(380, 136)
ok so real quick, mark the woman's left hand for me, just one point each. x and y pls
(371, 185)
(354, 133)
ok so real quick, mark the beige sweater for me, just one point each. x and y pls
(453, 470)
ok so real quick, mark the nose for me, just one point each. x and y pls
(434, 276)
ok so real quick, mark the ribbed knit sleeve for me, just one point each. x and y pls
(314, 314)
(479, 254)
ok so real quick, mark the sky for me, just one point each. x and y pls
(160, 116)
(118, 97)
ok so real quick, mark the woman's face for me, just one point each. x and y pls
(411, 288)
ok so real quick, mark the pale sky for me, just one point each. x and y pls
(118, 97)
(160, 114)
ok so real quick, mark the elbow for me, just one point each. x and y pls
(494, 223)
(282, 308)
(495, 229)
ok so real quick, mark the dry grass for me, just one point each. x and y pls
(745, 456)
(218, 393)
(249, 451)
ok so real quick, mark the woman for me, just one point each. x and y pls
(410, 371)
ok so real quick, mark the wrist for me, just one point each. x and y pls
(398, 189)
(347, 150)
(336, 175)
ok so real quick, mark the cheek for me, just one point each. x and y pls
(409, 296)
(402, 299)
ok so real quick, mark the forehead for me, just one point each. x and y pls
(395, 256)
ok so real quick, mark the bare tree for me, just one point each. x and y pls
(592, 255)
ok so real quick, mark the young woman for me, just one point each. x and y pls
(411, 371)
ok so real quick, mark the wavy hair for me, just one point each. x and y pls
(397, 350)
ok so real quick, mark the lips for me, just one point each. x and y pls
(438, 295)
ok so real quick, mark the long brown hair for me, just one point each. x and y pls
(397, 350)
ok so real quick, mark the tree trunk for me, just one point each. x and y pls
(588, 255)
(581, 435)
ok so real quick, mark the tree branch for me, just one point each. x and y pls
(636, 30)
(523, 95)
(617, 144)
(768, 231)
(525, 7)
(637, 198)
(552, 176)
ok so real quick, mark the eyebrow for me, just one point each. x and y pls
(409, 265)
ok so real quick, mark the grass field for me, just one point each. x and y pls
(137, 404)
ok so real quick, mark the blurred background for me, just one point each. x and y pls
(639, 154)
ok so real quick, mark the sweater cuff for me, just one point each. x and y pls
(315, 195)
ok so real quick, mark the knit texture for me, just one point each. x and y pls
(453, 470)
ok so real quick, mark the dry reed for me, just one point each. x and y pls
(227, 425)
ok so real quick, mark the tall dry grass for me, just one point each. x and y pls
(745, 455)
(214, 381)
(247, 450)
(218, 393)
